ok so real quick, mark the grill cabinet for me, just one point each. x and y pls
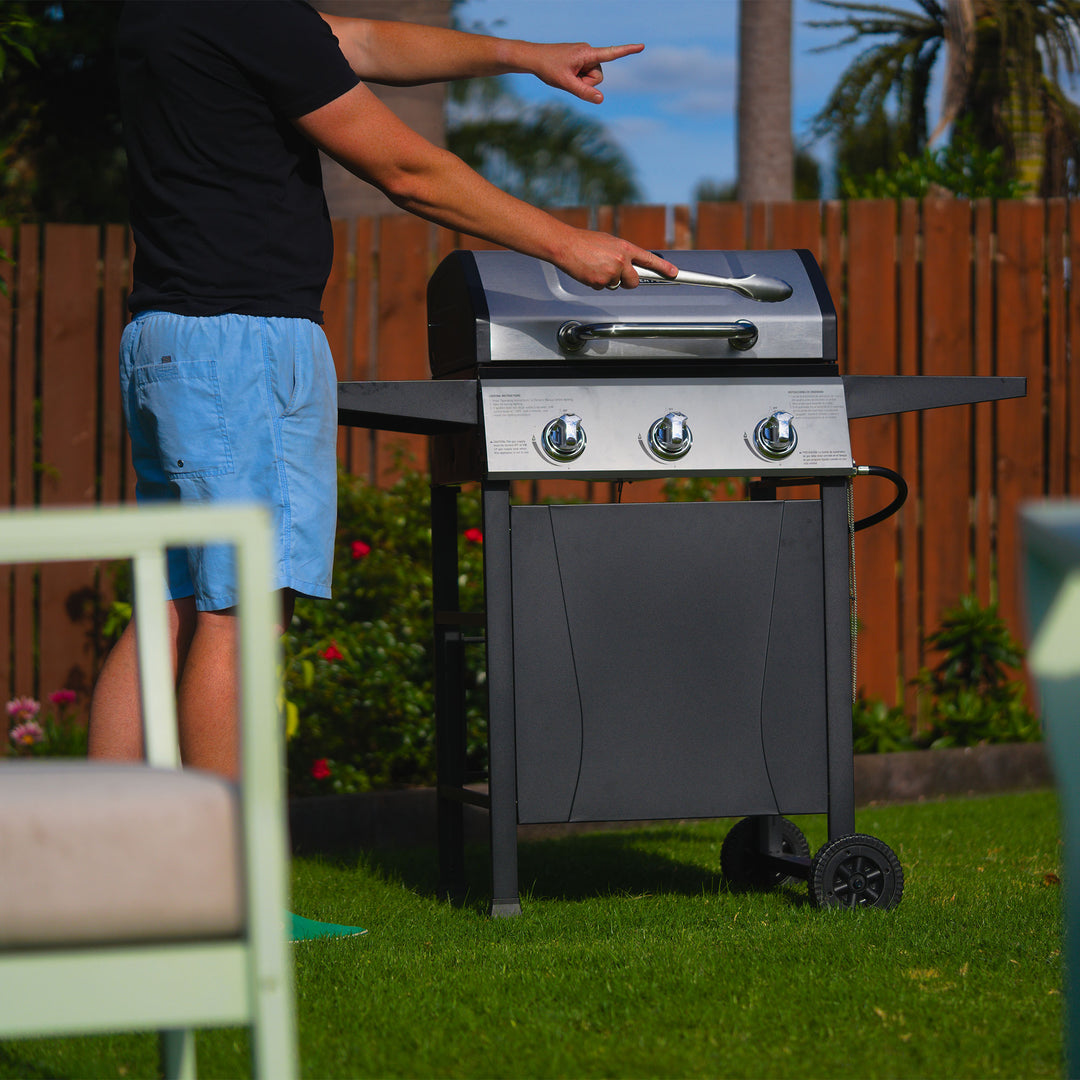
(652, 660)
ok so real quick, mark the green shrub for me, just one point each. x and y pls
(970, 697)
(359, 668)
(879, 729)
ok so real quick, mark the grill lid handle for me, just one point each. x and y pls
(761, 287)
(742, 334)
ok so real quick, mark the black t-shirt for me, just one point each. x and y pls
(227, 206)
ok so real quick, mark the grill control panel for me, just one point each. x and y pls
(636, 428)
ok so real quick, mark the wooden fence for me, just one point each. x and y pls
(942, 287)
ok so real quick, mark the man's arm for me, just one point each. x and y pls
(406, 54)
(367, 138)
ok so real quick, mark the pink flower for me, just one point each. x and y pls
(21, 709)
(320, 769)
(62, 697)
(27, 734)
(474, 536)
(360, 549)
(332, 652)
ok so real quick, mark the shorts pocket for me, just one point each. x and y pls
(180, 408)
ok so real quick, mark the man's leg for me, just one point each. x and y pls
(115, 709)
(209, 691)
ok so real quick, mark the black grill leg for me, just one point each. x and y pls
(838, 675)
(502, 765)
(449, 694)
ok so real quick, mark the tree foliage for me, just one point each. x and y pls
(548, 155)
(963, 168)
(61, 151)
(1002, 63)
(894, 71)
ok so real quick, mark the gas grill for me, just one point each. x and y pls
(653, 660)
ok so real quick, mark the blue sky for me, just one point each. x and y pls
(672, 107)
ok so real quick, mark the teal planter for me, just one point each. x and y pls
(1050, 535)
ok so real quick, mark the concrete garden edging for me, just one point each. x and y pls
(402, 818)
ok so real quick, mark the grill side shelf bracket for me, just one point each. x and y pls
(417, 407)
(878, 395)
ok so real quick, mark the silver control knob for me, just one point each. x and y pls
(775, 436)
(670, 436)
(564, 437)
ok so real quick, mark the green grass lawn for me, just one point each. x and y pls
(631, 959)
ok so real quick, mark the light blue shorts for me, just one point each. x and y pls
(236, 408)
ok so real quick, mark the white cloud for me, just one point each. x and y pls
(671, 68)
(687, 80)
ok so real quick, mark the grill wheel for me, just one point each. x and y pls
(741, 860)
(856, 871)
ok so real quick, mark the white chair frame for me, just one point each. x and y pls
(175, 987)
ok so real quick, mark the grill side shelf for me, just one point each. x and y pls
(878, 395)
(417, 407)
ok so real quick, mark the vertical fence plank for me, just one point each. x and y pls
(872, 347)
(1072, 474)
(833, 267)
(911, 634)
(337, 315)
(721, 226)
(27, 284)
(1020, 337)
(1056, 357)
(114, 474)
(760, 223)
(116, 275)
(983, 344)
(683, 233)
(946, 433)
(7, 375)
(69, 368)
(797, 225)
(7, 367)
(404, 246)
(645, 226)
(360, 441)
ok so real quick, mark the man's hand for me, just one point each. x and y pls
(575, 68)
(606, 262)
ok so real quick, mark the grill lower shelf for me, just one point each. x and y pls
(668, 660)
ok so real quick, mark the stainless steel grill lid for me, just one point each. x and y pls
(501, 308)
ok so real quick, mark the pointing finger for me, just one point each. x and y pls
(607, 53)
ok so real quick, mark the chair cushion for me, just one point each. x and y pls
(94, 851)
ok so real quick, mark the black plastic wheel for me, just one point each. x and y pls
(741, 858)
(856, 871)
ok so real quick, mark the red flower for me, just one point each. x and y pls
(332, 652)
(62, 697)
(360, 549)
(474, 536)
(320, 769)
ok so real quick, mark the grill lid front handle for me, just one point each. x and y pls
(742, 334)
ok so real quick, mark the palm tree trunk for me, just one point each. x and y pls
(766, 151)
